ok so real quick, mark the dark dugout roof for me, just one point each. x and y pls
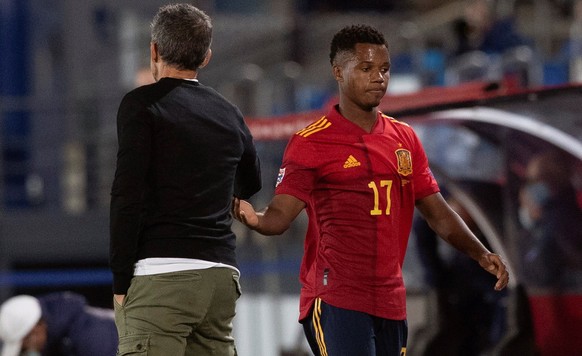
(553, 114)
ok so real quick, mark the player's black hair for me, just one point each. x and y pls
(347, 38)
(183, 34)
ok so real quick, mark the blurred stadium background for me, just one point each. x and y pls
(65, 64)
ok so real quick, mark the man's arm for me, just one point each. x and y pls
(248, 173)
(127, 191)
(274, 219)
(450, 227)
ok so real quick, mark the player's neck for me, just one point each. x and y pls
(363, 118)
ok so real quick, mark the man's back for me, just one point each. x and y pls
(197, 139)
(184, 151)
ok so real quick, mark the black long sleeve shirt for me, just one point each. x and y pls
(184, 151)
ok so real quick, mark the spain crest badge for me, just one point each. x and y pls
(404, 160)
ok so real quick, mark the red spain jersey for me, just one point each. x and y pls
(359, 189)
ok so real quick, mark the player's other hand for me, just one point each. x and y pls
(495, 265)
(244, 212)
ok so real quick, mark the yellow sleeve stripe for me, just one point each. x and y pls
(319, 125)
(394, 120)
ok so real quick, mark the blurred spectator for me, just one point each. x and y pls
(566, 64)
(470, 316)
(56, 324)
(575, 43)
(552, 222)
(480, 29)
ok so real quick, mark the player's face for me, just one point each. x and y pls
(363, 78)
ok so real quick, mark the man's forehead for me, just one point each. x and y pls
(364, 52)
(368, 52)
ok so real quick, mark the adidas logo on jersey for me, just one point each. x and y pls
(351, 162)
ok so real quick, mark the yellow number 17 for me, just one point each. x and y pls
(374, 187)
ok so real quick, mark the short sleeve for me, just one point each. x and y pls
(298, 172)
(425, 183)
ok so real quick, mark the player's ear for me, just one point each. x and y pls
(206, 58)
(155, 55)
(337, 72)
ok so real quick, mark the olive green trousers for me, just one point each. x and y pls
(179, 313)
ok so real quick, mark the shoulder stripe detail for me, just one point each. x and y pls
(319, 125)
(394, 120)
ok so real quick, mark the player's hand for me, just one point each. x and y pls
(495, 265)
(244, 212)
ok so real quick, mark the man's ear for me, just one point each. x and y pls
(155, 55)
(206, 58)
(337, 72)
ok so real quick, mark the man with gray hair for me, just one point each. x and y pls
(184, 152)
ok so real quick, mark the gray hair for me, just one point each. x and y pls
(183, 34)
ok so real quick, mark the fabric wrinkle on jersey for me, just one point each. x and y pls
(359, 189)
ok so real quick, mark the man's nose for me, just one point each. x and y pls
(378, 76)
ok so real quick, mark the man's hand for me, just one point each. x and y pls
(119, 298)
(244, 212)
(493, 264)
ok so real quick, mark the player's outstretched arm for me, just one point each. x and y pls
(495, 265)
(274, 219)
(451, 228)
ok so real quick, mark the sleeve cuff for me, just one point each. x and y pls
(121, 283)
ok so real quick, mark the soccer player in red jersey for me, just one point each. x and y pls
(359, 174)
